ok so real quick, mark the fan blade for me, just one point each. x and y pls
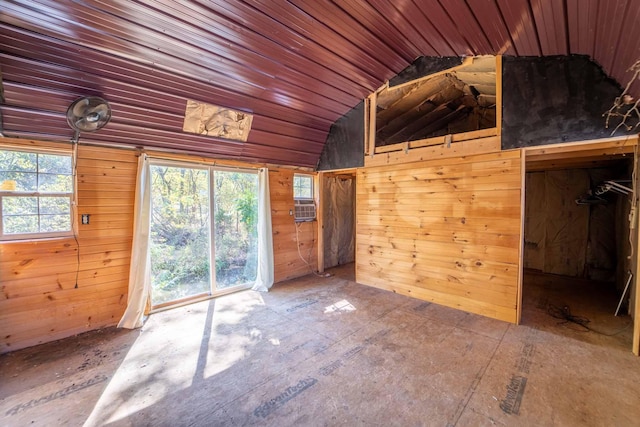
(102, 110)
(80, 106)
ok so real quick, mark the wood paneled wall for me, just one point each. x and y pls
(40, 300)
(446, 231)
(288, 263)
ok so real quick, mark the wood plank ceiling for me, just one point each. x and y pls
(297, 65)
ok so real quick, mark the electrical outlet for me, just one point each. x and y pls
(85, 219)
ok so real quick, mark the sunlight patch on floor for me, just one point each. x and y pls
(342, 305)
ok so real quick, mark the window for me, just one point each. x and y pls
(304, 207)
(36, 189)
(302, 187)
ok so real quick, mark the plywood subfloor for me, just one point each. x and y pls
(326, 351)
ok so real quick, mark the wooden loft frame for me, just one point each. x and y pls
(371, 152)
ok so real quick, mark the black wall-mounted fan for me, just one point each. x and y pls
(88, 114)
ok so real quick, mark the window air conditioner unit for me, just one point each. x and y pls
(305, 210)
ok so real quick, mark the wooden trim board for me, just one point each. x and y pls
(456, 149)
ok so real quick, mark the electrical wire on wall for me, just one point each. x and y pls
(307, 261)
(74, 205)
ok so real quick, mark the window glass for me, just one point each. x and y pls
(302, 186)
(35, 194)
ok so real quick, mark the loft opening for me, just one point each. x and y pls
(457, 100)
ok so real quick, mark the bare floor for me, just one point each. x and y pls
(327, 351)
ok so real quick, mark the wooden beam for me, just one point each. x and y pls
(573, 163)
(635, 347)
(616, 145)
(521, 247)
(426, 123)
(372, 122)
(319, 189)
(457, 149)
(499, 94)
(416, 112)
(408, 100)
(457, 137)
(467, 61)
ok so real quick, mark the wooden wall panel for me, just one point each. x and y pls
(40, 300)
(288, 263)
(445, 230)
(535, 221)
(567, 224)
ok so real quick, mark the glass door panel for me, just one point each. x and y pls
(235, 228)
(180, 233)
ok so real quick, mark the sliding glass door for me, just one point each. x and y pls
(186, 239)
(235, 228)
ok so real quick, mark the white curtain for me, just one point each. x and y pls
(139, 272)
(264, 279)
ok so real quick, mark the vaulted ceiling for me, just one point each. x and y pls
(297, 65)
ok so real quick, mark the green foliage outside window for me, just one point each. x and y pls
(35, 193)
(181, 235)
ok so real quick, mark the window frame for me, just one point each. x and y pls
(40, 195)
(311, 180)
(214, 290)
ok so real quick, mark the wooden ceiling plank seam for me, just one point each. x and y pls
(179, 135)
(88, 21)
(254, 150)
(468, 26)
(216, 24)
(574, 20)
(539, 21)
(419, 32)
(118, 47)
(328, 104)
(565, 20)
(443, 27)
(628, 49)
(234, 100)
(581, 26)
(114, 138)
(485, 12)
(173, 125)
(549, 19)
(593, 31)
(382, 29)
(359, 35)
(296, 130)
(280, 88)
(129, 91)
(536, 30)
(210, 48)
(168, 102)
(16, 116)
(519, 22)
(610, 18)
(324, 36)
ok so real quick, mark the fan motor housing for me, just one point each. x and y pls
(88, 114)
